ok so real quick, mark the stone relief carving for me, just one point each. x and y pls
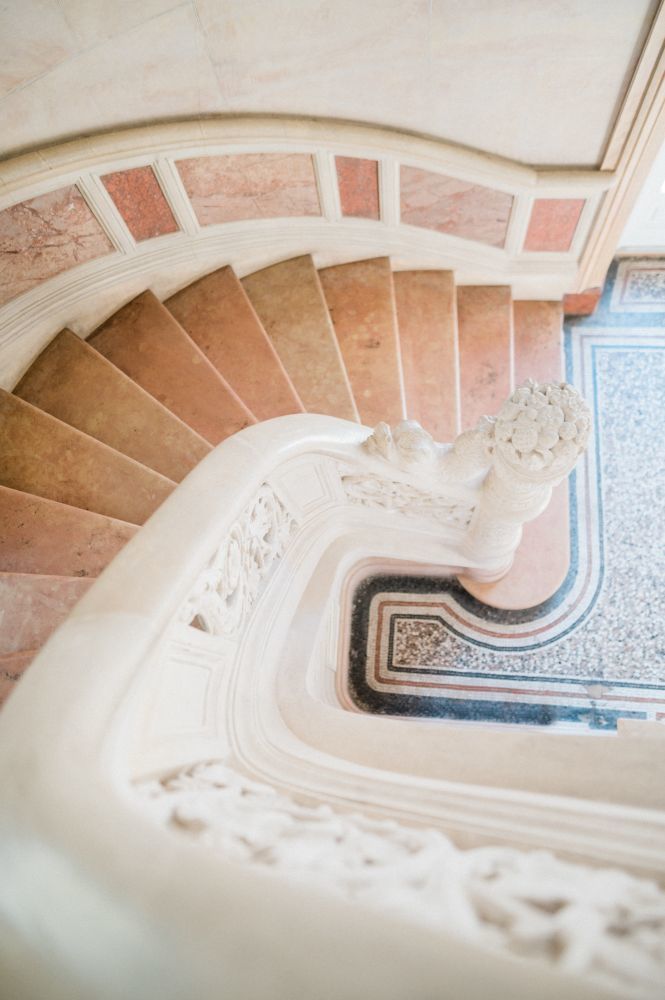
(517, 457)
(406, 445)
(600, 923)
(229, 586)
(542, 429)
(389, 494)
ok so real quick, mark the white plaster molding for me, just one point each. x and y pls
(230, 134)
(227, 590)
(389, 191)
(518, 225)
(101, 205)
(326, 178)
(174, 191)
(635, 143)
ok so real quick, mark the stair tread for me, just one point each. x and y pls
(426, 317)
(46, 537)
(33, 605)
(146, 342)
(290, 304)
(361, 303)
(42, 455)
(538, 341)
(78, 385)
(484, 323)
(219, 317)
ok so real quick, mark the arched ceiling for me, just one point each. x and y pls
(539, 82)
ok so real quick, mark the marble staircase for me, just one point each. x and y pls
(97, 433)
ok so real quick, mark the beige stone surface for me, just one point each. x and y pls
(524, 81)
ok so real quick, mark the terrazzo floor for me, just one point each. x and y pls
(594, 652)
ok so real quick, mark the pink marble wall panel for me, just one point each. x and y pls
(141, 202)
(448, 205)
(358, 186)
(250, 186)
(45, 236)
(553, 223)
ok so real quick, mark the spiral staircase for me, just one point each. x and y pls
(98, 432)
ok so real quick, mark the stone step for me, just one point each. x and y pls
(289, 302)
(32, 606)
(543, 557)
(42, 455)
(538, 348)
(146, 342)
(361, 302)
(45, 537)
(78, 385)
(12, 668)
(218, 316)
(484, 329)
(426, 315)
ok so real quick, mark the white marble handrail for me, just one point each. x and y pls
(148, 911)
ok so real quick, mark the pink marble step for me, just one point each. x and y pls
(40, 454)
(32, 607)
(361, 303)
(145, 341)
(538, 341)
(76, 384)
(426, 314)
(290, 304)
(218, 316)
(542, 560)
(42, 536)
(484, 324)
(12, 668)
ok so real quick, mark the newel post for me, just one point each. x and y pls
(531, 446)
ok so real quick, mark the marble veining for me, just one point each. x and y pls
(250, 186)
(44, 236)
(453, 206)
(358, 181)
(553, 224)
(139, 199)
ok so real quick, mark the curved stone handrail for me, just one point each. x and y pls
(112, 698)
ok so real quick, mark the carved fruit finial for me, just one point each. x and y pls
(542, 428)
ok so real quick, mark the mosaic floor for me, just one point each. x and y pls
(594, 652)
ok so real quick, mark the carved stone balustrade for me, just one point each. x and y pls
(519, 456)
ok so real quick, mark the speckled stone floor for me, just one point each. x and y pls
(595, 652)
